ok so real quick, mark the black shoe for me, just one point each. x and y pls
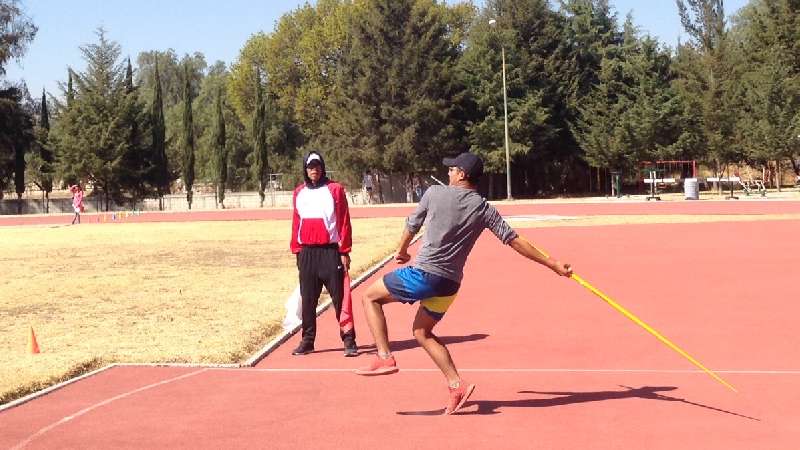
(303, 349)
(350, 348)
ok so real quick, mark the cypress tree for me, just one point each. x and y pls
(70, 89)
(45, 117)
(160, 175)
(45, 152)
(188, 137)
(129, 77)
(136, 162)
(261, 166)
(221, 151)
(19, 172)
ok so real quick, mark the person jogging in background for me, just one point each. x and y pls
(77, 202)
(368, 187)
(321, 239)
(457, 215)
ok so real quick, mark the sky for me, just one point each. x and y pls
(219, 32)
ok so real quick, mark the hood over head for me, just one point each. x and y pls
(308, 159)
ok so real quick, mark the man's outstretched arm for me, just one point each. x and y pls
(526, 249)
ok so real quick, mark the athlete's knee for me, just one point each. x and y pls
(422, 334)
(375, 293)
(368, 296)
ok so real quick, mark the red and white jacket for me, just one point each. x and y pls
(321, 216)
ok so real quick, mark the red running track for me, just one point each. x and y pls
(555, 366)
(564, 209)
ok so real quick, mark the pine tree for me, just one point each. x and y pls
(528, 32)
(769, 120)
(221, 151)
(94, 132)
(708, 81)
(396, 99)
(16, 32)
(632, 114)
(188, 138)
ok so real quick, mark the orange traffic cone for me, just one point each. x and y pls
(33, 346)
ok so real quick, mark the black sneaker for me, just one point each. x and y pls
(350, 348)
(303, 349)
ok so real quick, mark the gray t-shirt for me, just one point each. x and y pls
(456, 217)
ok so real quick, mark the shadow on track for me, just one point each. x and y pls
(570, 398)
(408, 344)
(488, 407)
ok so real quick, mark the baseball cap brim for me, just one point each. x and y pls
(450, 162)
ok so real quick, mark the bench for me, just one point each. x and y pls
(729, 180)
(655, 182)
(660, 180)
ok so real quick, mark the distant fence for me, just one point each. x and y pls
(393, 189)
(174, 202)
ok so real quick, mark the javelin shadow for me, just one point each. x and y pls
(408, 344)
(488, 407)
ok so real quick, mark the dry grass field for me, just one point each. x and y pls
(199, 292)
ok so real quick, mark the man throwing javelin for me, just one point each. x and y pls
(457, 217)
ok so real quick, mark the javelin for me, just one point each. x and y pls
(650, 329)
(639, 322)
(647, 327)
(437, 180)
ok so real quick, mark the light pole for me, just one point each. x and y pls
(493, 23)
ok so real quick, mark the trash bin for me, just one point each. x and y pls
(690, 189)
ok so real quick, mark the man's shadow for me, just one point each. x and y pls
(487, 407)
(408, 344)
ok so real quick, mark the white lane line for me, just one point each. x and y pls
(50, 389)
(86, 410)
(532, 370)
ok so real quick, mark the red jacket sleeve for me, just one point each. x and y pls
(343, 220)
(294, 243)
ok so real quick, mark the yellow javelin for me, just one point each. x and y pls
(647, 327)
(650, 329)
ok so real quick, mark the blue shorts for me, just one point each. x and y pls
(410, 285)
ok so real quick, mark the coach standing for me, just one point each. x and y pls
(321, 239)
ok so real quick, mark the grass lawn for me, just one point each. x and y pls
(200, 292)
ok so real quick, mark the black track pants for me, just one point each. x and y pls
(318, 266)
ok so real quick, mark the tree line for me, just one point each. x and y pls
(394, 85)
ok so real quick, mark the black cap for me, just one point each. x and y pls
(470, 163)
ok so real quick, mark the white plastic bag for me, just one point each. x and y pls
(294, 310)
